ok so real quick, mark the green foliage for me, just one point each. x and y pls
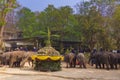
(47, 65)
(96, 24)
(60, 21)
(27, 22)
(5, 7)
(48, 42)
(67, 51)
(116, 27)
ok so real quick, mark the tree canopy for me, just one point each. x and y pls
(96, 23)
(5, 7)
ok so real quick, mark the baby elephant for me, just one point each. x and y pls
(81, 60)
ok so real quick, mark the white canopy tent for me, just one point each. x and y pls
(7, 44)
(24, 43)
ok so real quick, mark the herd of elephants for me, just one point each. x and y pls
(16, 58)
(101, 59)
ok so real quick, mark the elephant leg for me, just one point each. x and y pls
(116, 66)
(11, 64)
(18, 64)
(107, 66)
(103, 65)
(84, 65)
(32, 63)
(5, 63)
(70, 64)
(96, 65)
(80, 64)
(74, 64)
(97, 62)
(67, 65)
(92, 62)
(15, 64)
(111, 66)
(29, 62)
(99, 65)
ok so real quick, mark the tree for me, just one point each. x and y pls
(27, 22)
(106, 7)
(94, 18)
(5, 7)
(61, 22)
(68, 23)
(83, 7)
(116, 27)
(90, 25)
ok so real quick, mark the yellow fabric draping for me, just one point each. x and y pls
(40, 57)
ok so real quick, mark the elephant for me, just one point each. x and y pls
(110, 59)
(81, 60)
(104, 60)
(114, 60)
(16, 58)
(118, 57)
(100, 58)
(70, 60)
(0, 59)
(27, 58)
(5, 58)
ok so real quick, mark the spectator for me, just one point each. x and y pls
(81, 51)
(25, 48)
(118, 51)
(94, 50)
(114, 51)
(73, 51)
(21, 48)
(101, 49)
(34, 49)
(17, 49)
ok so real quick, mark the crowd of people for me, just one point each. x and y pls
(72, 50)
(21, 48)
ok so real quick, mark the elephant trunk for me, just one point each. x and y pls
(23, 62)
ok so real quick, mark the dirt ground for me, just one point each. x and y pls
(28, 73)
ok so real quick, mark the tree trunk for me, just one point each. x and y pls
(1, 39)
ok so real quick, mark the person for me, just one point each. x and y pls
(25, 48)
(92, 59)
(94, 51)
(118, 51)
(17, 49)
(34, 49)
(81, 51)
(114, 51)
(21, 48)
(73, 51)
(101, 49)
